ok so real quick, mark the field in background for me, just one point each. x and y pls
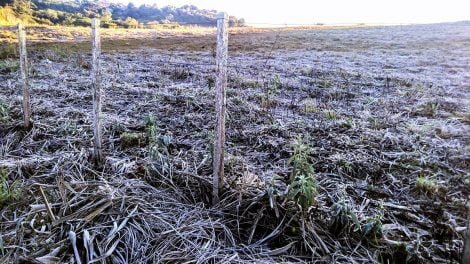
(385, 112)
(74, 34)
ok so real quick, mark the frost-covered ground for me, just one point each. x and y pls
(384, 110)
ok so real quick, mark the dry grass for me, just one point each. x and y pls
(149, 202)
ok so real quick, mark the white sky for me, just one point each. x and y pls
(333, 11)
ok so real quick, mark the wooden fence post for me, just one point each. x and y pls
(220, 105)
(96, 83)
(466, 242)
(24, 76)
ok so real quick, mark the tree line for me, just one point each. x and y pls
(112, 15)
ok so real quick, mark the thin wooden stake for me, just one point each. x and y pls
(96, 83)
(24, 76)
(220, 105)
(48, 205)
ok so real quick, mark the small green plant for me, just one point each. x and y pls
(303, 190)
(273, 192)
(426, 185)
(418, 87)
(348, 123)
(310, 108)
(68, 127)
(210, 81)
(372, 229)
(3, 110)
(330, 115)
(151, 127)
(325, 82)
(276, 83)
(344, 220)
(375, 123)
(303, 187)
(271, 90)
(157, 145)
(429, 109)
(8, 192)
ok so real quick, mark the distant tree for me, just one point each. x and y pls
(107, 19)
(232, 21)
(68, 19)
(74, 12)
(53, 16)
(131, 23)
(132, 11)
(23, 7)
(165, 21)
(94, 8)
(153, 24)
(130, 6)
(82, 21)
(170, 18)
(106, 16)
(241, 22)
(6, 2)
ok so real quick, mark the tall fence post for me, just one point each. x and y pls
(466, 243)
(220, 105)
(96, 83)
(24, 76)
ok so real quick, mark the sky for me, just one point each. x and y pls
(333, 11)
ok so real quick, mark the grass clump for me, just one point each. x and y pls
(325, 82)
(8, 192)
(429, 109)
(330, 115)
(309, 107)
(426, 185)
(240, 82)
(8, 65)
(178, 74)
(303, 186)
(418, 87)
(270, 91)
(131, 139)
(8, 51)
(347, 123)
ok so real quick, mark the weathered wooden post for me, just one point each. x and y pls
(220, 105)
(96, 83)
(466, 243)
(24, 76)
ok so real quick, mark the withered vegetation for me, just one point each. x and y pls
(343, 145)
